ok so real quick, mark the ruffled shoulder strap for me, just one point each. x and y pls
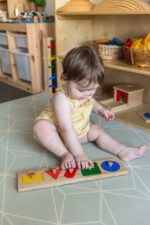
(63, 90)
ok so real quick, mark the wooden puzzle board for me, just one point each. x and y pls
(50, 177)
(131, 116)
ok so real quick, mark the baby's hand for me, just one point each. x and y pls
(82, 161)
(108, 115)
(68, 161)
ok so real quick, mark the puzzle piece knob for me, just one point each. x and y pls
(110, 166)
(110, 163)
(32, 175)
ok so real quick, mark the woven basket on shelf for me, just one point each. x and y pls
(107, 51)
(110, 51)
(137, 56)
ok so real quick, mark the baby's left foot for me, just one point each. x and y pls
(130, 153)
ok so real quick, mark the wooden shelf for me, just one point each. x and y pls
(122, 65)
(13, 27)
(77, 28)
(115, 7)
(34, 34)
(26, 86)
(119, 64)
(91, 13)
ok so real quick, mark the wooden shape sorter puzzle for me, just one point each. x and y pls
(50, 177)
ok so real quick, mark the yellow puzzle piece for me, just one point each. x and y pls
(32, 177)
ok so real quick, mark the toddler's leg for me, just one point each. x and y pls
(104, 141)
(47, 135)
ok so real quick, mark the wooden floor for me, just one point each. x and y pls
(8, 93)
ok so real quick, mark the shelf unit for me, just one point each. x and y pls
(119, 64)
(76, 28)
(91, 13)
(123, 66)
(89, 26)
(35, 34)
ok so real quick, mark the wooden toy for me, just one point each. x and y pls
(127, 104)
(52, 58)
(119, 5)
(125, 96)
(50, 177)
(76, 6)
(49, 49)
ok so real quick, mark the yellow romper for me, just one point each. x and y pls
(80, 114)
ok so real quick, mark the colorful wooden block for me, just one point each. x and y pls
(32, 177)
(52, 66)
(51, 46)
(91, 171)
(50, 177)
(51, 58)
(110, 166)
(54, 173)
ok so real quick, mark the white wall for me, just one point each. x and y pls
(49, 9)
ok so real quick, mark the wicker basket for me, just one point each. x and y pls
(137, 56)
(110, 51)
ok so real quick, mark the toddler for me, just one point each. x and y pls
(64, 124)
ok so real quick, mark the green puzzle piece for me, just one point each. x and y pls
(93, 171)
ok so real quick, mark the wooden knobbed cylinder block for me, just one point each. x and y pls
(133, 91)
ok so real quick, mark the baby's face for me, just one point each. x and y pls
(80, 91)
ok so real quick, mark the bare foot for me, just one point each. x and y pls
(82, 161)
(68, 161)
(130, 153)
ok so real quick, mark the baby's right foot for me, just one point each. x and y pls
(130, 153)
(68, 161)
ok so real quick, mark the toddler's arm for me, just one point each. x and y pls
(99, 109)
(63, 109)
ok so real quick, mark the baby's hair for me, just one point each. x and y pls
(83, 63)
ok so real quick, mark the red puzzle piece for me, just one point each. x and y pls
(53, 174)
(70, 174)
